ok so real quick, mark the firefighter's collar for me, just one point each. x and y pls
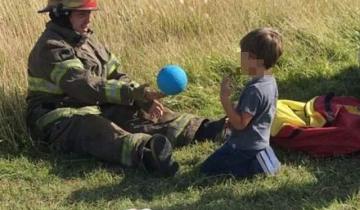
(69, 35)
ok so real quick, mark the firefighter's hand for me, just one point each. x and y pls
(156, 110)
(153, 94)
(145, 94)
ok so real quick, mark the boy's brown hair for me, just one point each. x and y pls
(263, 43)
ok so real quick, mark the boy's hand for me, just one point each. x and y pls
(225, 90)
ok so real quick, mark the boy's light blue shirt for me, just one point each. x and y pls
(258, 99)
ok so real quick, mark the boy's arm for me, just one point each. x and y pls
(237, 121)
(239, 118)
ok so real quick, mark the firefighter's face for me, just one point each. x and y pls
(80, 21)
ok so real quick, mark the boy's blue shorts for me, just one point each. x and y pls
(241, 163)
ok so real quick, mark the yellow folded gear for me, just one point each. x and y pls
(315, 119)
(286, 114)
(293, 105)
(296, 113)
(353, 109)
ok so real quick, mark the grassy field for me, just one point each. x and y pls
(321, 38)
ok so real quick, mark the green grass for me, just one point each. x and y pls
(46, 181)
(322, 39)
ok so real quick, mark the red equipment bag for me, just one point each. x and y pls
(324, 126)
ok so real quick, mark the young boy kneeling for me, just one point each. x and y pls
(247, 151)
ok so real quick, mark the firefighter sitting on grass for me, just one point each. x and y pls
(80, 100)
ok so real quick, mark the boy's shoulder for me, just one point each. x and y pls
(262, 83)
(262, 86)
(252, 89)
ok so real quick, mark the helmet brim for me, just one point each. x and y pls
(84, 9)
(46, 9)
(49, 8)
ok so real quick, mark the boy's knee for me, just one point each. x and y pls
(266, 163)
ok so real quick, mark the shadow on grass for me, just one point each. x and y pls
(142, 186)
(65, 166)
(303, 88)
(335, 180)
(69, 166)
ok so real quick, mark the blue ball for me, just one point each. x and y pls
(172, 80)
